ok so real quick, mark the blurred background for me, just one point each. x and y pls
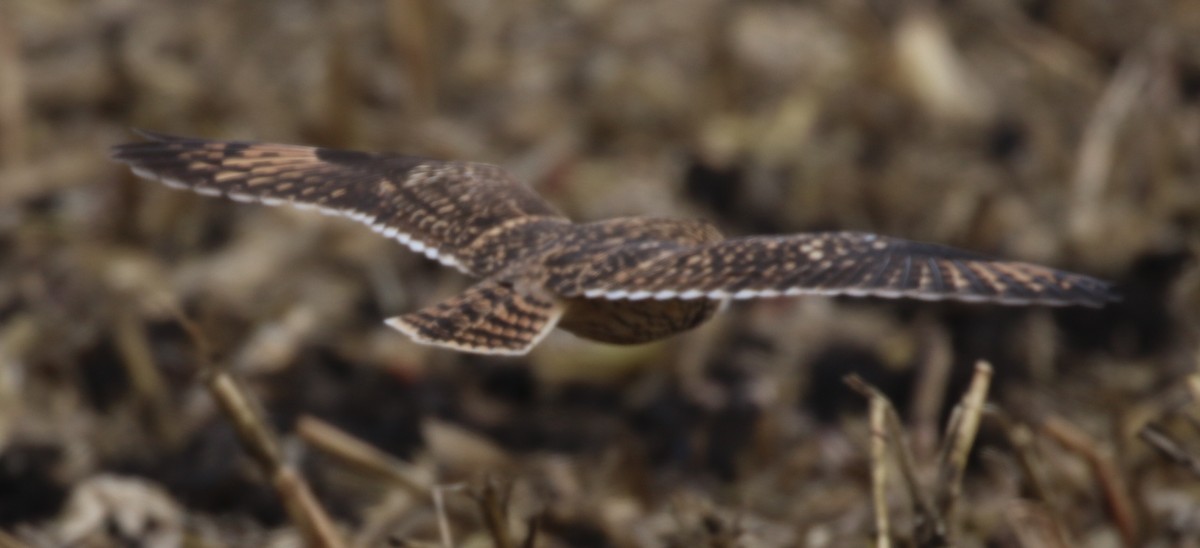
(1065, 133)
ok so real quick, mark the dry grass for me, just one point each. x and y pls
(1059, 132)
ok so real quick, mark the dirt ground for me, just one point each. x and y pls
(133, 317)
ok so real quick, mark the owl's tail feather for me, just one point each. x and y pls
(491, 317)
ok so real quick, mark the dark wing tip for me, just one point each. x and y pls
(1099, 294)
(1070, 289)
(156, 136)
(129, 152)
(1037, 285)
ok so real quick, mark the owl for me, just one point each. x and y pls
(624, 280)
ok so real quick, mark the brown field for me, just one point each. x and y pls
(179, 370)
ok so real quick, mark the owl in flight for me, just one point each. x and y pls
(625, 280)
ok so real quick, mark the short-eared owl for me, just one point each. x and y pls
(627, 280)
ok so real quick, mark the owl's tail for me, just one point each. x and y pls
(491, 317)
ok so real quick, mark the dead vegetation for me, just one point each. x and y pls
(179, 370)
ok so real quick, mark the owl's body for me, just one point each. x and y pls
(633, 322)
(626, 280)
(624, 321)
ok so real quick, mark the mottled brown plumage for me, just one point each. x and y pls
(491, 317)
(626, 280)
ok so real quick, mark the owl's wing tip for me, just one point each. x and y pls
(127, 152)
(157, 136)
(1104, 296)
(1089, 292)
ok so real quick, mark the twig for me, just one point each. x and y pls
(960, 440)
(493, 503)
(1115, 492)
(439, 505)
(360, 454)
(258, 440)
(883, 534)
(930, 524)
(930, 527)
(1020, 438)
(303, 504)
(369, 459)
(1168, 447)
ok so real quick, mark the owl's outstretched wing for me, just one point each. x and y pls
(455, 212)
(834, 263)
